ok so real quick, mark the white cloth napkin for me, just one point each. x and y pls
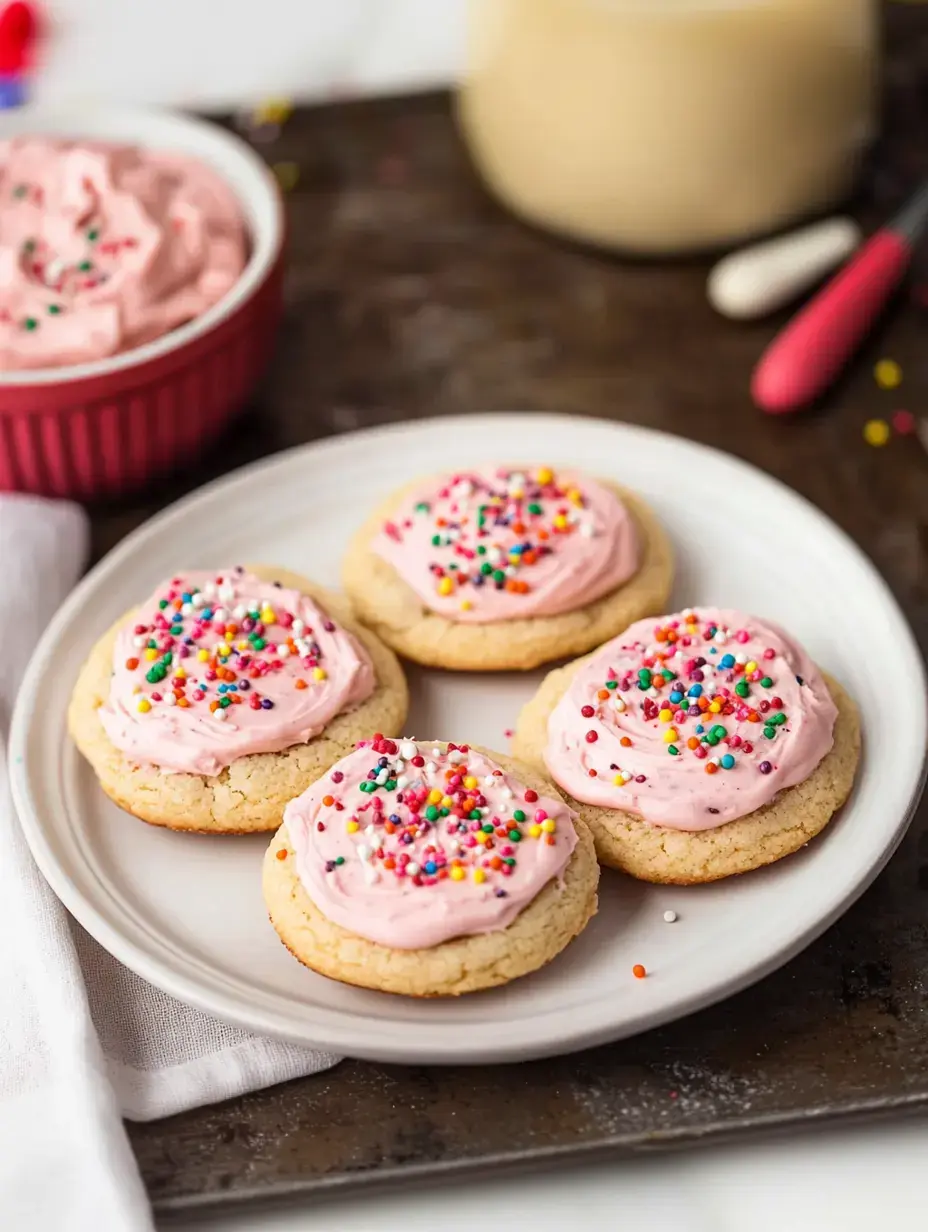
(82, 1039)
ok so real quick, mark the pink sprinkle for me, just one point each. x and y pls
(903, 422)
(742, 636)
(540, 816)
(770, 653)
(701, 752)
(509, 733)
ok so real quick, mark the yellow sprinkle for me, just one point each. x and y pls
(466, 605)
(549, 825)
(560, 521)
(481, 837)
(273, 111)
(665, 715)
(203, 655)
(352, 827)
(544, 474)
(268, 616)
(517, 493)
(144, 705)
(223, 650)
(887, 374)
(470, 782)
(457, 873)
(151, 654)
(618, 781)
(445, 586)
(575, 496)
(670, 735)
(750, 667)
(446, 802)
(876, 432)
(479, 875)
(319, 673)
(287, 175)
(242, 645)
(180, 674)
(535, 830)
(434, 796)
(715, 707)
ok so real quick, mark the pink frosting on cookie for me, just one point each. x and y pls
(501, 543)
(409, 845)
(105, 247)
(691, 720)
(219, 665)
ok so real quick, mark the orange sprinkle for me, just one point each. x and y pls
(442, 874)
(282, 854)
(550, 840)
(328, 801)
(468, 804)
(496, 862)
(389, 863)
(132, 664)
(638, 971)
(182, 701)
(711, 767)
(753, 717)
(529, 558)
(703, 704)
(519, 528)
(214, 706)
(390, 827)
(543, 534)
(512, 586)
(661, 635)
(625, 742)
(299, 683)
(692, 743)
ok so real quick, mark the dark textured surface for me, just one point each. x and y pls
(411, 294)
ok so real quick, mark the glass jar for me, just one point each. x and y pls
(662, 126)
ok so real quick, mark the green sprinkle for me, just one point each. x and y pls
(766, 682)
(432, 813)
(30, 323)
(93, 235)
(177, 629)
(443, 812)
(486, 570)
(225, 702)
(612, 684)
(390, 785)
(487, 828)
(778, 719)
(436, 541)
(673, 750)
(481, 551)
(720, 731)
(85, 266)
(499, 575)
(20, 191)
(168, 658)
(423, 507)
(474, 815)
(534, 508)
(515, 836)
(29, 246)
(518, 815)
(712, 739)
(667, 674)
(770, 732)
(162, 603)
(742, 689)
(55, 309)
(259, 643)
(339, 859)
(365, 786)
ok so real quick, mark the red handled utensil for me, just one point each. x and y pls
(807, 355)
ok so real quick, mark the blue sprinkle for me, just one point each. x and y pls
(186, 597)
(231, 688)
(395, 818)
(699, 729)
(676, 697)
(222, 688)
(266, 703)
(431, 867)
(207, 613)
(712, 650)
(727, 761)
(727, 661)
(695, 691)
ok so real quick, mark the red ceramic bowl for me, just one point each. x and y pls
(99, 428)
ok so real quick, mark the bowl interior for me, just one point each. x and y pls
(236, 162)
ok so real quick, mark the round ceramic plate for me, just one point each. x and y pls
(186, 912)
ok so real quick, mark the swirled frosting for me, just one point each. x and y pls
(409, 844)
(505, 543)
(105, 247)
(219, 665)
(691, 720)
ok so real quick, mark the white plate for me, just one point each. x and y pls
(186, 912)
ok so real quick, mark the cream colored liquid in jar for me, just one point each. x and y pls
(668, 125)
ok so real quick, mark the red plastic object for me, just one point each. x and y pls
(807, 356)
(19, 29)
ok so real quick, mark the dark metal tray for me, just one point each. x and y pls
(411, 293)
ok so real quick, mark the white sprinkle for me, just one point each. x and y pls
(226, 592)
(399, 765)
(220, 714)
(489, 780)
(456, 757)
(587, 530)
(436, 753)
(209, 590)
(403, 781)
(619, 704)
(383, 776)
(284, 652)
(199, 599)
(740, 658)
(186, 609)
(371, 876)
(407, 749)
(139, 641)
(412, 868)
(219, 614)
(370, 830)
(652, 692)
(670, 916)
(297, 627)
(364, 852)
(171, 699)
(506, 793)
(240, 611)
(430, 767)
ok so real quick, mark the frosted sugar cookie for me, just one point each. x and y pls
(429, 869)
(225, 694)
(500, 567)
(696, 745)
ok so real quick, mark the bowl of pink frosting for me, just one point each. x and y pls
(141, 260)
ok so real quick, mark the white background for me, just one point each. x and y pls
(221, 53)
(170, 51)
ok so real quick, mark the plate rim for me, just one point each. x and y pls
(328, 1029)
